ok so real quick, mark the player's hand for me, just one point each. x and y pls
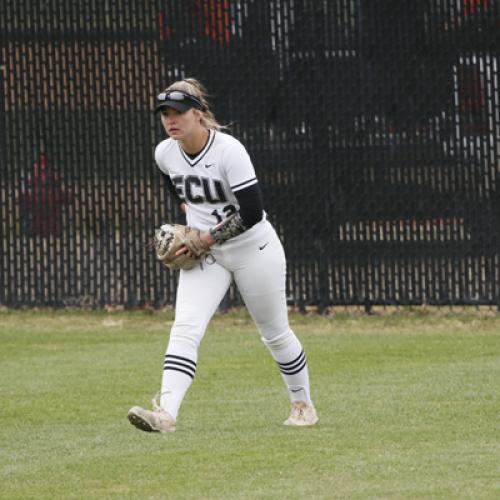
(205, 236)
(184, 250)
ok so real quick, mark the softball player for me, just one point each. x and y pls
(211, 175)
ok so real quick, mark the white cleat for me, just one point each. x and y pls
(156, 420)
(301, 415)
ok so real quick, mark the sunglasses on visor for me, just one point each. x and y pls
(180, 96)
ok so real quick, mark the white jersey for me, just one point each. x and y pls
(207, 183)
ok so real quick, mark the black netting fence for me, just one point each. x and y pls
(374, 126)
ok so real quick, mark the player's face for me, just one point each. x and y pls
(180, 126)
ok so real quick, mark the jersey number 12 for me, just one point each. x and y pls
(228, 210)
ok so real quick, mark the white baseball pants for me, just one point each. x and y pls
(256, 262)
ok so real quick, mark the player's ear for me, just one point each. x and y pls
(198, 114)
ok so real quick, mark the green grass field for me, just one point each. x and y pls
(408, 405)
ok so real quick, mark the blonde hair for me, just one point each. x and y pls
(197, 89)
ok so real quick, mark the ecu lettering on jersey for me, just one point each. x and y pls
(196, 189)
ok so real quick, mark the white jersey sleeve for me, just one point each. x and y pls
(238, 167)
(161, 153)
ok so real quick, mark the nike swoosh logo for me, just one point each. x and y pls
(209, 165)
(295, 390)
(264, 246)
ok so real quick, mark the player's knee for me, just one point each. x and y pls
(280, 340)
(188, 334)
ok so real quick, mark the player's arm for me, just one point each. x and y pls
(250, 212)
(240, 175)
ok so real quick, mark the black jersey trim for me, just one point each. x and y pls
(244, 184)
(203, 152)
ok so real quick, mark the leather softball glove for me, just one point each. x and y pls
(170, 238)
